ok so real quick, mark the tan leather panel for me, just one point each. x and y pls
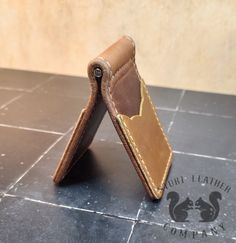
(148, 143)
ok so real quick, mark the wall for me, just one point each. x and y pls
(180, 43)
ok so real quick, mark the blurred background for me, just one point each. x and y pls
(186, 44)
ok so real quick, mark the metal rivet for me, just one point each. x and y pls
(97, 72)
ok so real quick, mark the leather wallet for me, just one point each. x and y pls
(116, 86)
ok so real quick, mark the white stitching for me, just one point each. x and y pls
(132, 42)
(140, 156)
(154, 110)
(108, 64)
(132, 140)
(148, 176)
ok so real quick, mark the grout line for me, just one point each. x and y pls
(116, 216)
(21, 95)
(31, 129)
(138, 212)
(104, 140)
(160, 224)
(177, 108)
(131, 232)
(51, 204)
(140, 208)
(205, 114)
(164, 109)
(14, 89)
(178, 228)
(204, 156)
(118, 142)
(194, 112)
(27, 90)
(136, 220)
(70, 207)
(143, 221)
(10, 101)
(180, 99)
(39, 158)
(41, 84)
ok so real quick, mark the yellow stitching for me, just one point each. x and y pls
(140, 157)
(131, 59)
(132, 42)
(148, 176)
(154, 110)
(165, 172)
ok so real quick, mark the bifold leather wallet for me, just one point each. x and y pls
(116, 86)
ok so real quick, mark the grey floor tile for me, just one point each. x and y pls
(26, 221)
(104, 180)
(41, 111)
(7, 95)
(70, 86)
(107, 131)
(23, 80)
(207, 135)
(19, 149)
(164, 97)
(145, 233)
(192, 178)
(217, 104)
(165, 118)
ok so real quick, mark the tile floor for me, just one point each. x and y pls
(103, 200)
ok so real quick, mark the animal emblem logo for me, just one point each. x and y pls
(208, 210)
(178, 211)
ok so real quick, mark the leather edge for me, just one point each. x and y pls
(79, 132)
(118, 54)
(113, 114)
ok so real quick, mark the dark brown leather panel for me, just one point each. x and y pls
(83, 133)
(125, 90)
(118, 54)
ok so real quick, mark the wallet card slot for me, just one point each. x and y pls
(150, 147)
(125, 91)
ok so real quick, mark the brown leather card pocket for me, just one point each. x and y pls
(148, 143)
